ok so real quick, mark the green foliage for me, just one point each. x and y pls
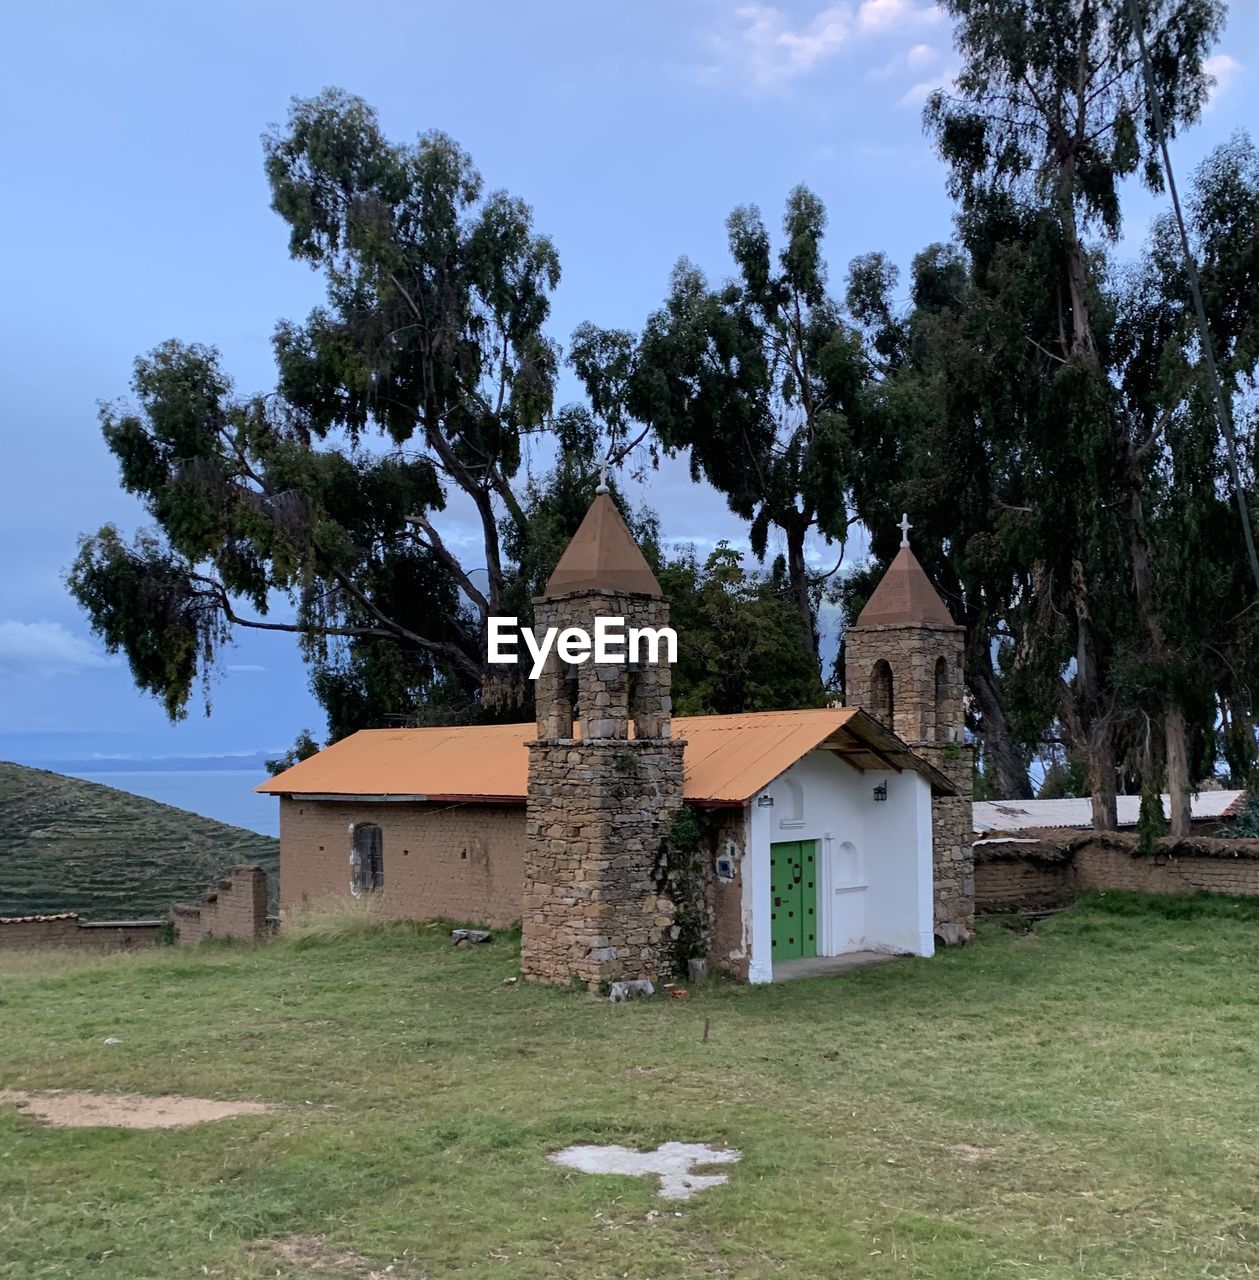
(1151, 824)
(1245, 826)
(740, 648)
(753, 379)
(305, 747)
(1065, 778)
(417, 380)
(686, 884)
(1051, 93)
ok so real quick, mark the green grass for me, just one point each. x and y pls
(71, 845)
(1105, 1065)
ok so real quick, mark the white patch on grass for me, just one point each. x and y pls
(672, 1163)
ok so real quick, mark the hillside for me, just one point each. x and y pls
(70, 845)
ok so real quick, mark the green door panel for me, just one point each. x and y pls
(793, 899)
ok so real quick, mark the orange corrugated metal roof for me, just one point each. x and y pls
(728, 758)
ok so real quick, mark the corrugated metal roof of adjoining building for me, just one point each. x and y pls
(728, 759)
(1016, 815)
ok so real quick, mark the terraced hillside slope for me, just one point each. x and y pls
(70, 845)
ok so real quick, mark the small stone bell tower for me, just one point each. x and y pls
(600, 803)
(903, 664)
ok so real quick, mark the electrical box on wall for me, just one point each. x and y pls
(726, 860)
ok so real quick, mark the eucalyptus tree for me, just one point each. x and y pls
(753, 379)
(953, 392)
(1051, 111)
(412, 389)
(1200, 663)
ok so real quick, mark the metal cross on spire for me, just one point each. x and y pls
(904, 527)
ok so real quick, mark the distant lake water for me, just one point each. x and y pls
(225, 795)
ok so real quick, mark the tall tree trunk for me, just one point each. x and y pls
(798, 579)
(1177, 770)
(1001, 756)
(1100, 751)
(1093, 721)
(1175, 734)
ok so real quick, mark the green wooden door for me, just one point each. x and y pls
(793, 898)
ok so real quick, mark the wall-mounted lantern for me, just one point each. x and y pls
(880, 792)
(765, 801)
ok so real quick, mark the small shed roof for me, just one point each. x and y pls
(728, 759)
(1026, 815)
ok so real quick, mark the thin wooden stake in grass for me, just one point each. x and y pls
(704, 1039)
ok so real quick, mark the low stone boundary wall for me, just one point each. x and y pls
(1035, 869)
(237, 908)
(66, 931)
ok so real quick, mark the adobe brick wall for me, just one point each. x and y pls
(236, 908)
(1061, 865)
(66, 932)
(464, 862)
(728, 949)
(1007, 883)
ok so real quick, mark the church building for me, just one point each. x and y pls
(821, 832)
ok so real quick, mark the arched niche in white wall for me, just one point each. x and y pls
(791, 798)
(846, 865)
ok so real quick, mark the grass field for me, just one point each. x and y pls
(1075, 1101)
(71, 845)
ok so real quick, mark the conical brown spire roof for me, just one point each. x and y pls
(603, 556)
(905, 595)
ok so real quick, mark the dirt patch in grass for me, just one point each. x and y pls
(63, 1108)
(314, 1256)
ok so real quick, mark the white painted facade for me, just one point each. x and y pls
(874, 861)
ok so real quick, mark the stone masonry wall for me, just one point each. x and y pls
(461, 861)
(1053, 868)
(927, 714)
(236, 908)
(598, 815)
(65, 932)
(600, 805)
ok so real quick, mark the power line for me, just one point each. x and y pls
(1195, 288)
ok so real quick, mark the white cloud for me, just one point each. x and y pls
(915, 58)
(243, 668)
(889, 15)
(921, 55)
(765, 47)
(46, 648)
(1225, 69)
(772, 52)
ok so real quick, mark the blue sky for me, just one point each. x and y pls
(136, 210)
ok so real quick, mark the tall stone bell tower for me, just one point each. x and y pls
(903, 664)
(600, 803)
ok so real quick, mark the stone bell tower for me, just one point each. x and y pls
(903, 664)
(600, 802)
